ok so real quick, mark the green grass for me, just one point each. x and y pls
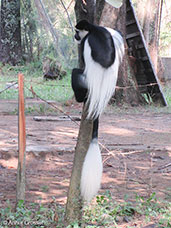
(112, 214)
(167, 93)
(57, 90)
(34, 215)
(105, 212)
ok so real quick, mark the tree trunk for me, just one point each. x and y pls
(98, 11)
(74, 201)
(29, 29)
(46, 21)
(116, 19)
(10, 34)
(84, 10)
(150, 21)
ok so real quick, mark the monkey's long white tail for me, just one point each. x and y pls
(91, 172)
(102, 81)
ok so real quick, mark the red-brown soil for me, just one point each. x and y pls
(136, 150)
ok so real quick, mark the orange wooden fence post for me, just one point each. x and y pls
(20, 193)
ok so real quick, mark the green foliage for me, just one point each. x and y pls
(10, 32)
(109, 213)
(167, 92)
(35, 215)
(45, 188)
(29, 29)
(105, 212)
(37, 41)
(8, 11)
(165, 39)
(57, 90)
(73, 225)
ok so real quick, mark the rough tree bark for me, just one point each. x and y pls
(10, 32)
(74, 201)
(116, 19)
(84, 10)
(46, 21)
(150, 20)
(29, 30)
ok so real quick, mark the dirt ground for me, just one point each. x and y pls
(136, 151)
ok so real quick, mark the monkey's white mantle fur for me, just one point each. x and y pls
(101, 81)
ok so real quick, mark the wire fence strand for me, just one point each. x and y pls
(8, 87)
(109, 153)
(69, 86)
(52, 105)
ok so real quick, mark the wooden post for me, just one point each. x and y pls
(74, 202)
(20, 194)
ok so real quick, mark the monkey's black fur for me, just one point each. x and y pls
(79, 85)
(100, 41)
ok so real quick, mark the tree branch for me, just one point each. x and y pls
(69, 19)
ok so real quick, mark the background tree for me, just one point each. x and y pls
(10, 32)
(108, 16)
(149, 13)
(165, 37)
(29, 32)
(116, 18)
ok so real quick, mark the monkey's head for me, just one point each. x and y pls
(81, 30)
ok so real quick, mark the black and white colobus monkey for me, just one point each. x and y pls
(102, 51)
